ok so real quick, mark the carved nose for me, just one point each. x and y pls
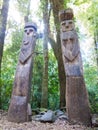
(69, 40)
(27, 33)
(67, 26)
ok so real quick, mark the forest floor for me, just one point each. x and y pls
(35, 125)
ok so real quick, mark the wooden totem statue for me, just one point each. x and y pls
(19, 109)
(76, 95)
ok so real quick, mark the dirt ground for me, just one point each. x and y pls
(35, 125)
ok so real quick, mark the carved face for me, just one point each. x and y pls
(29, 31)
(67, 25)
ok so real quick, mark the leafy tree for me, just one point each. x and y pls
(44, 101)
(88, 15)
(36, 87)
(53, 82)
(3, 22)
(91, 78)
(9, 66)
(58, 5)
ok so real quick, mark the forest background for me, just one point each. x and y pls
(46, 90)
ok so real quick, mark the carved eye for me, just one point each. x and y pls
(70, 22)
(31, 30)
(65, 40)
(71, 39)
(25, 31)
(63, 24)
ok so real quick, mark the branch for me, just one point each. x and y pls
(53, 45)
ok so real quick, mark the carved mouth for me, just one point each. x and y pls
(26, 42)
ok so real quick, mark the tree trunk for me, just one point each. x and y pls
(57, 6)
(3, 22)
(96, 45)
(44, 98)
(26, 18)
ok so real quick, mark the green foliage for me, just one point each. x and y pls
(78, 2)
(87, 13)
(6, 84)
(37, 76)
(53, 82)
(9, 62)
(93, 98)
(91, 79)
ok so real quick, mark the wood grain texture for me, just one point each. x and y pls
(19, 108)
(77, 103)
(71, 53)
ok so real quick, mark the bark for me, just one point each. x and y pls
(44, 98)
(57, 6)
(3, 22)
(96, 45)
(77, 101)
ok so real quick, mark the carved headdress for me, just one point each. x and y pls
(66, 15)
(66, 20)
(31, 25)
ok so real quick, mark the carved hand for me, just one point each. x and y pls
(71, 55)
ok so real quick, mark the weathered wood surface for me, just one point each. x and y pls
(19, 106)
(77, 100)
(17, 110)
(66, 15)
(71, 53)
(77, 104)
(67, 25)
(26, 50)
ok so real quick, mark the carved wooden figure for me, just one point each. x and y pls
(19, 109)
(76, 95)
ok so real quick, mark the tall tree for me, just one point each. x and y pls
(3, 22)
(96, 44)
(57, 6)
(28, 12)
(95, 22)
(44, 99)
